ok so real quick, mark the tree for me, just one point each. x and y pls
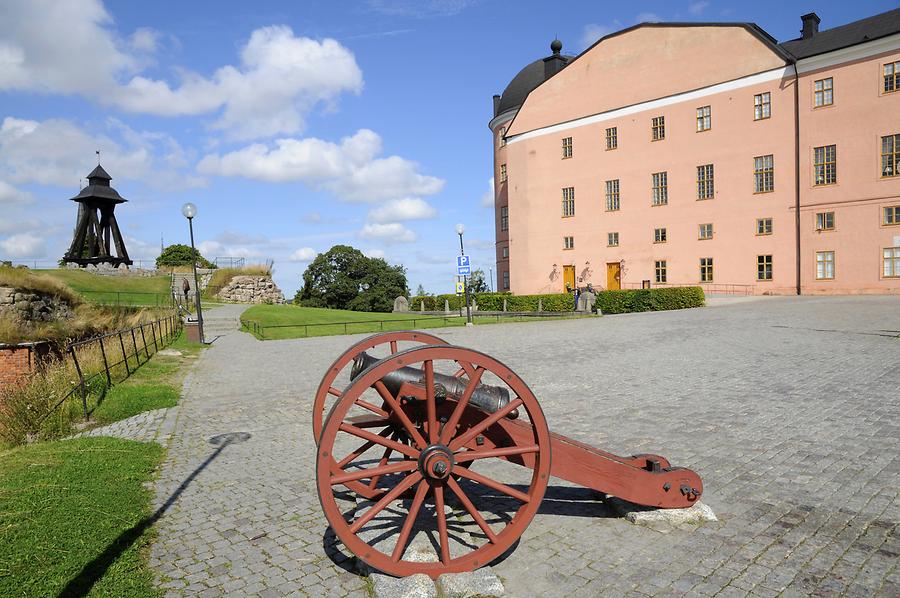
(344, 278)
(420, 291)
(477, 281)
(180, 255)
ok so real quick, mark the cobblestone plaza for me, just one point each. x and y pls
(788, 408)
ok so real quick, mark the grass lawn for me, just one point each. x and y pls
(300, 322)
(121, 290)
(73, 517)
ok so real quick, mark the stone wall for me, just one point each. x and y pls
(31, 306)
(251, 289)
(107, 269)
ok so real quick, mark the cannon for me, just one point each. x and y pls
(450, 445)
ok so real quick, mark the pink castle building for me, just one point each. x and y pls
(704, 153)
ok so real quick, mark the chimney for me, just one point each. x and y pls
(496, 104)
(810, 25)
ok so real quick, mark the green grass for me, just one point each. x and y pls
(122, 290)
(74, 515)
(328, 322)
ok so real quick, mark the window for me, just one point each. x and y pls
(764, 173)
(660, 267)
(825, 159)
(568, 242)
(567, 147)
(824, 265)
(824, 92)
(762, 106)
(612, 195)
(659, 235)
(659, 128)
(612, 239)
(706, 269)
(660, 188)
(891, 77)
(505, 279)
(890, 155)
(825, 221)
(503, 173)
(763, 226)
(504, 218)
(706, 231)
(612, 138)
(504, 253)
(892, 215)
(705, 185)
(568, 202)
(764, 267)
(892, 262)
(704, 119)
(502, 137)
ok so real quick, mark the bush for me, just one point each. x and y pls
(627, 301)
(494, 302)
(180, 255)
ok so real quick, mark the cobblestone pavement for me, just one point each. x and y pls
(787, 407)
(149, 426)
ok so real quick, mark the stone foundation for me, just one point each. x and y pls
(31, 306)
(251, 289)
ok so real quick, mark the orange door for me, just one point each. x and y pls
(613, 276)
(568, 277)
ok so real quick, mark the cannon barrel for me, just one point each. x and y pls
(486, 397)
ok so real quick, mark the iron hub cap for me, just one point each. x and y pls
(436, 462)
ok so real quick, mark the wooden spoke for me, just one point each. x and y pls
(472, 510)
(401, 414)
(364, 421)
(379, 471)
(418, 499)
(500, 452)
(378, 507)
(451, 424)
(477, 477)
(372, 408)
(366, 435)
(481, 426)
(333, 391)
(381, 463)
(443, 536)
(430, 405)
(356, 453)
(393, 347)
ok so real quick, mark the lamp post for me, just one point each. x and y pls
(460, 229)
(189, 210)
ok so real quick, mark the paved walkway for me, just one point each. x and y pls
(787, 407)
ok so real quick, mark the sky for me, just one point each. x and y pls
(292, 125)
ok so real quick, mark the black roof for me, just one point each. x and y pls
(527, 79)
(98, 188)
(99, 173)
(857, 32)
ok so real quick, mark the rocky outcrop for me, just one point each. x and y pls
(251, 289)
(30, 306)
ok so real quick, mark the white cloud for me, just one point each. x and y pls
(71, 47)
(648, 17)
(57, 152)
(213, 249)
(304, 254)
(420, 8)
(409, 208)
(350, 169)
(375, 253)
(392, 232)
(487, 200)
(24, 245)
(592, 32)
(11, 195)
(697, 8)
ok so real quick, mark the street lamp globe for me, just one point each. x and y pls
(189, 210)
(460, 229)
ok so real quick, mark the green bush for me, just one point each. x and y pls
(494, 302)
(627, 301)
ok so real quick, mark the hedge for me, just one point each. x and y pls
(626, 301)
(494, 302)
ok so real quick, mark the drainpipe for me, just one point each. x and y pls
(797, 167)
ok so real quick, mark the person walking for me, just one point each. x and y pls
(186, 288)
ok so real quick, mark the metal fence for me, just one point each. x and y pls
(54, 264)
(119, 348)
(129, 298)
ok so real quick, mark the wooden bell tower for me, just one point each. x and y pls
(96, 231)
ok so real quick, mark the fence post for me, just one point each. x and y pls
(80, 382)
(124, 354)
(345, 327)
(137, 356)
(153, 332)
(144, 338)
(105, 363)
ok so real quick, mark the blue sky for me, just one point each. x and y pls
(293, 126)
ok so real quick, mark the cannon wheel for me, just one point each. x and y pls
(430, 466)
(326, 387)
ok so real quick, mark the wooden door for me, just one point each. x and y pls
(568, 278)
(613, 276)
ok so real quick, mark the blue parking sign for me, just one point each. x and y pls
(462, 261)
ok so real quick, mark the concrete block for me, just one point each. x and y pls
(469, 584)
(414, 586)
(696, 514)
